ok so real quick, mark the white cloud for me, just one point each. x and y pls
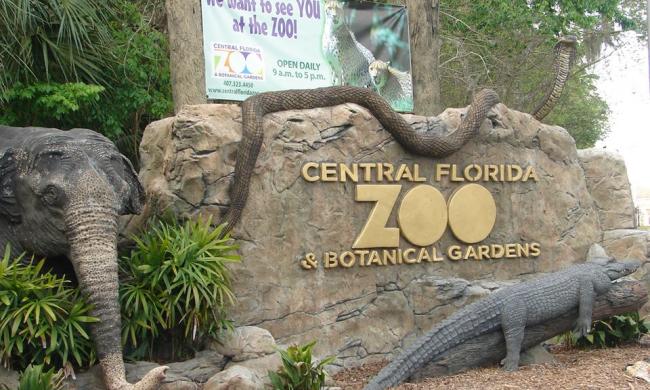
(624, 85)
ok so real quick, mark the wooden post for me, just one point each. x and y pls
(425, 49)
(186, 52)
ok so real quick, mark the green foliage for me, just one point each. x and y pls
(298, 371)
(54, 40)
(35, 378)
(43, 320)
(508, 46)
(581, 111)
(609, 332)
(105, 62)
(49, 104)
(176, 286)
(614, 331)
(140, 90)
(175, 290)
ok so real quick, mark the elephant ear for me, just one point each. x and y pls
(135, 195)
(9, 207)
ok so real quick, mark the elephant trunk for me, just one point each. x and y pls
(92, 235)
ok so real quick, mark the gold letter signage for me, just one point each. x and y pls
(423, 213)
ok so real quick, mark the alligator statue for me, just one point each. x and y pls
(511, 309)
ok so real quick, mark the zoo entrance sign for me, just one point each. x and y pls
(423, 213)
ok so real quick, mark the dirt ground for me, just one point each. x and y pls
(575, 369)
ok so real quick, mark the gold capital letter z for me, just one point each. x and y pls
(375, 234)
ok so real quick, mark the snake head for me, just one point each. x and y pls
(568, 40)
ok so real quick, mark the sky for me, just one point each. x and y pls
(623, 83)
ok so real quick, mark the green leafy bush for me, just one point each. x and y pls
(34, 378)
(49, 104)
(298, 371)
(42, 40)
(43, 320)
(609, 332)
(176, 287)
(102, 65)
(614, 331)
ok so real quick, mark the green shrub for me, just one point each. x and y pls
(176, 286)
(609, 332)
(298, 371)
(614, 331)
(174, 291)
(34, 378)
(102, 65)
(43, 320)
(49, 104)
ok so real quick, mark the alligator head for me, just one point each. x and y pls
(618, 269)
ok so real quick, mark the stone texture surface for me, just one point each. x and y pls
(186, 375)
(627, 243)
(536, 355)
(362, 313)
(235, 378)
(624, 244)
(609, 186)
(640, 369)
(8, 378)
(261, 366)
(201, 368)
(598, 254)
(246, 342)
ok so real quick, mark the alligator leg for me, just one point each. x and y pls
(585, 307)
(513, 322)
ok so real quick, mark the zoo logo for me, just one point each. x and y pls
(423, 215)
(247, 63)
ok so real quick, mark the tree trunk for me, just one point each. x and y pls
(490, 348)
(186, 52)
(425, 50)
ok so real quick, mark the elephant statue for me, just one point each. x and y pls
(61, 193)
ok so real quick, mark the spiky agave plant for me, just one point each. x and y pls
(299, 371)
(43, 318)
(36, 378)
(176, 284)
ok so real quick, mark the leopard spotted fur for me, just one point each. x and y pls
(393, 85)
(348, 58)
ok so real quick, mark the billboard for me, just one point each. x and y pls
(253, 46)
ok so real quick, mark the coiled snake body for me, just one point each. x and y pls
(428, 143)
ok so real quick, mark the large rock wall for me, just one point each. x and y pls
(363, 313)
(608, 183)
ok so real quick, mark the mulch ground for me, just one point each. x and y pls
(574, 369)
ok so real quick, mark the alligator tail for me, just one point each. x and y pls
(473, 320)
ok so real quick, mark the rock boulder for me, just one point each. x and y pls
(609, 186)
(246, 342)
(364, 313)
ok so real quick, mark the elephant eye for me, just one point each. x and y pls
(50, 195)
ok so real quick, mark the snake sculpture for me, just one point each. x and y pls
(436, 142)
(565, 53)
